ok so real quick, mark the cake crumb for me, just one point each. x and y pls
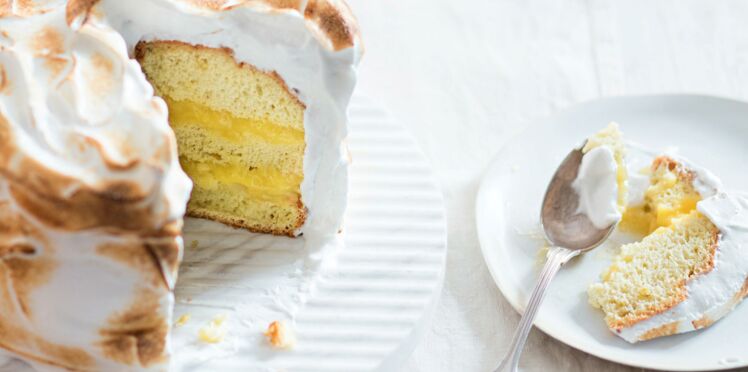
(542, 256)
(182, 320)
(280, 335)
(215, 331)
(194, 244)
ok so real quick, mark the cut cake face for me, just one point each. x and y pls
(240, 133)
(258, 94)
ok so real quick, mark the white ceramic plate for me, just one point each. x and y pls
(359, 306)
(709, 131)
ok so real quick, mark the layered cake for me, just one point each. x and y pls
(689, 270)
(92, 193)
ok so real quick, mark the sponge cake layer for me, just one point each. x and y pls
(240, 135)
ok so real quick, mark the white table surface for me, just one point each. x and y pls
(464, 76)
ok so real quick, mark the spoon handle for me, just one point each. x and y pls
(557, 256)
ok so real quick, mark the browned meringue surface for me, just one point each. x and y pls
(91, 198)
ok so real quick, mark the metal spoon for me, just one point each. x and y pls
(569, 232)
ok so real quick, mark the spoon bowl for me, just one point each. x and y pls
(562, 224)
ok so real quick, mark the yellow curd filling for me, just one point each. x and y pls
(637, 219)
(229, 127)
(666, 199)
(261, 183)
(621, 177)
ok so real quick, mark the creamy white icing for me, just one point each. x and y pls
(597, 186)
(280, 41)
(637, 164)
(714, 294)
(638, 183)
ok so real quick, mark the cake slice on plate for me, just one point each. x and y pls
(690, 268)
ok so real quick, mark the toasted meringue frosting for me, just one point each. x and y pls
(91, 198)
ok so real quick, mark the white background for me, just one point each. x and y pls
(464, 76)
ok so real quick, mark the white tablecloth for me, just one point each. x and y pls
(464, 76)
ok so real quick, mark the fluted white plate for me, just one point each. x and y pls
(359, 305)
(709, 131)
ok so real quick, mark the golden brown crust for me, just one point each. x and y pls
(242, 224)
(639, 316)
(681, 296)
(664, 330)
(702, 322)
